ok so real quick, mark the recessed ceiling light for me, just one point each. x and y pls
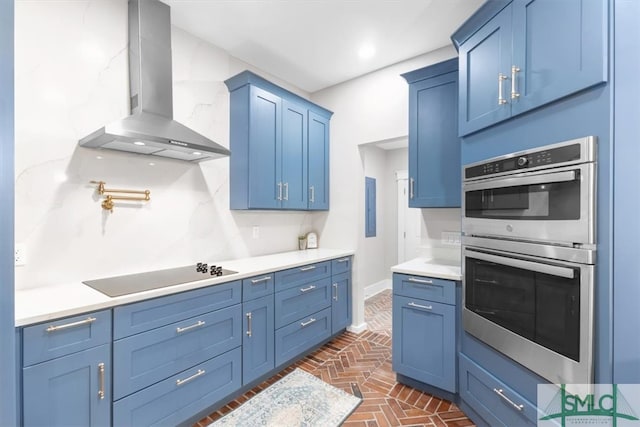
(99, 157)
(366, 51)
(138, 143)
(196, 153)
(151, 164)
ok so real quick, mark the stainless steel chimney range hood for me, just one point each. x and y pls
(150, 129)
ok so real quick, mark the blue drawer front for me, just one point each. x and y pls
(478, 389)
(427, 288)
(168, 403)
(143, 316)
(46, 341)
(298, 337)
(292, 277)
(147, 358)
(258, 286)
(295, 303)
(341, 265)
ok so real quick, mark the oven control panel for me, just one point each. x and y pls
(532, 159)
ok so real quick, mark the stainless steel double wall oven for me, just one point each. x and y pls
(529, 245)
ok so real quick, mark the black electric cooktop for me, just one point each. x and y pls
(132, 283)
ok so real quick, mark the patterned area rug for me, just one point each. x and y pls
(299, 399)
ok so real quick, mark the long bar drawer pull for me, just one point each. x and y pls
(335, 292)
(343, 259)
(310, 288)
(312, 320)
(262, 279)
(101, 377)
(86, 321)
(309, 268)
(191, 378)
(188, 328)
(425, 281)
(425, 307)
(500, 393)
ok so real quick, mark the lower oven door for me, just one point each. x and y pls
(536, 311)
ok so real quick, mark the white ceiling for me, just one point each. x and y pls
(314, 44)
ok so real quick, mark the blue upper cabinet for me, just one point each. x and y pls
(318, 162)
(434, 146)
(294, 156)
(526, 54)
(279, 147)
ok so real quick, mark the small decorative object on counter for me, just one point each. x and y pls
(302, 242)
(312, 240)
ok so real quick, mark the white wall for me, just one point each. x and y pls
(71, 79)
(370, 108)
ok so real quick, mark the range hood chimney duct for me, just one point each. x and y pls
(150, 129)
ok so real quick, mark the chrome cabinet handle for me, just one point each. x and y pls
(310, 288)
(101, 380)
(514, 92)
(279, 191)
(416, 280)
(501, 99)
(411, 185)
(86, 321)
(262, 279)
(312, 320)
(424, 307)
(191, 378)
(312, 194)
(335, 292)
(500, 393)
(188, 328)
(553, 270)
(249, 317)
(286, 191)
(343, 259)
(311, 267)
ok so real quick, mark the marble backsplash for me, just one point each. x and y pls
(71, 79)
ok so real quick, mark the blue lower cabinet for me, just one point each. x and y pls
(424, 341)
(181, 396)
(340, 302)
(493, 400)
(73, 390)
(146, 358)
(298, 337)
(295, 303)
(258, 354)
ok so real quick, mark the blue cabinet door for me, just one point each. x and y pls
(434, 146)
(559, 48)
(424, 341)
(265, 145)
(318, 162)
(258, 352)
(340, 302)
(66, 391)
(294, 156)
(484, 58)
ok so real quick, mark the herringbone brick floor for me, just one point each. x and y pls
(365, 359)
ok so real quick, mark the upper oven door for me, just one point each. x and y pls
(551, 205)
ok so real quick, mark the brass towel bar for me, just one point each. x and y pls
(108, 203)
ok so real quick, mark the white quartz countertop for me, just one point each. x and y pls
(53, 302)
(439, 269)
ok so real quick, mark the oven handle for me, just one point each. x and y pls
(525, 180)
(527, 265)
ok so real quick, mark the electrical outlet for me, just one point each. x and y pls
(256, 232)
(20, 254)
